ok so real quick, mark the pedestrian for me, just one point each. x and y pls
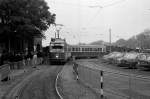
(40, 57)
(45, 58)
(75, 68)
(29, 58)
(2, 58)
(34, 60)
(25, 58)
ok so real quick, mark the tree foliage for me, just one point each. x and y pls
(141, 41)
(120, 43)
(24, 18)
(144, 39)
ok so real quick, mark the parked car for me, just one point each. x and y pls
(129, 60)
(110, 56)
(117, 56)
(105, 57)
(144, 60)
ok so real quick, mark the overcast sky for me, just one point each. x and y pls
(86, 21)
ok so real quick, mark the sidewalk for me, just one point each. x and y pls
(73, 89)
(16, 77)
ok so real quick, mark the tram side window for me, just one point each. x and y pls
(94, 49)
(79, 49)
(86, 49)
(76, 49)
(100, 49)
(82, 49)
(90, 49)
(69, 49)
(73, 49)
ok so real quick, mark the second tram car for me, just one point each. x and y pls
(58, 52)
(87, 51)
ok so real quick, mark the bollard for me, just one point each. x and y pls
(101, 82)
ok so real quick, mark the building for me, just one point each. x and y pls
(19, 45)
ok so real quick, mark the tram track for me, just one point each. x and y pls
(41, 85)
(56, 86)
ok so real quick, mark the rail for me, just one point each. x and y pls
(56, 86)
(17, 95)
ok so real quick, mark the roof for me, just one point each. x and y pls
(87, 45)
(57, 40)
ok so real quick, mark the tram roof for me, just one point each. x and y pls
(57, 40)
(87, 45)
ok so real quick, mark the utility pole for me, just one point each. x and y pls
(110, 38)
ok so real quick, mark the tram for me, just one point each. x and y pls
(58, 52)
(86, 51)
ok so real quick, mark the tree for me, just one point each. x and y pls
(24, 19)
(139, 41)
(144, 39)
(132, 42)
(120, 43)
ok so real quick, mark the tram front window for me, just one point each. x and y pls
(57, 47)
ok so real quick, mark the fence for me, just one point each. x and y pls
(28, 62)
(5, 69)
(116, 85)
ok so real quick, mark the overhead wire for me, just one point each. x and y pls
(94, 17)
(100, 8)
(114, 3)
(70, 4)
(91, 6)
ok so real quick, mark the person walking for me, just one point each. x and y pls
(40, 57)
(29, 58)
(75, 68)
(34, 61)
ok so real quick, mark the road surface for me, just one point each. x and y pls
(39, 85)
(118, 83)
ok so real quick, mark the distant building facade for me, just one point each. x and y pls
(19, 45)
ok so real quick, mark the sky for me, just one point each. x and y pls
(86, 21)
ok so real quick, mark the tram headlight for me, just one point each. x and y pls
(57, 56)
